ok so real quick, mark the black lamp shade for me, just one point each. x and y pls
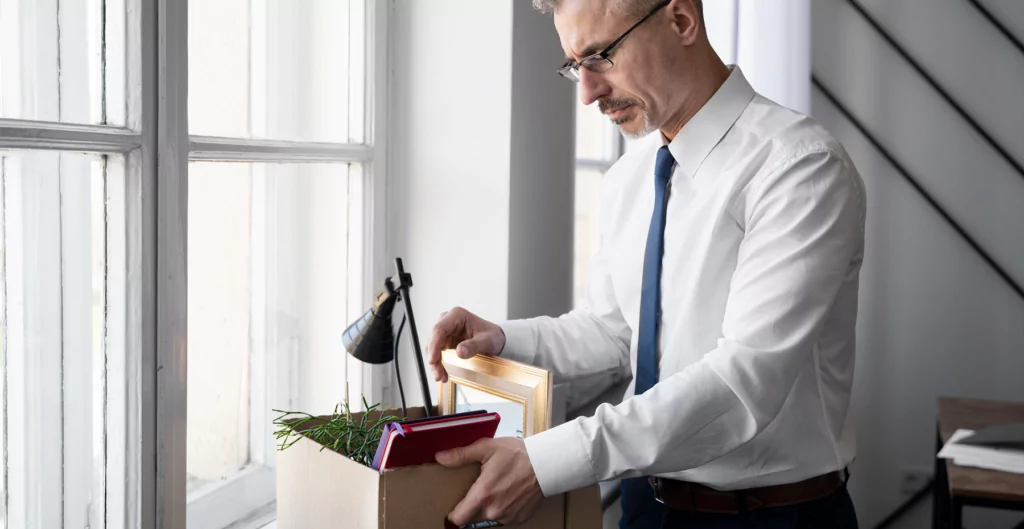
(371, 338)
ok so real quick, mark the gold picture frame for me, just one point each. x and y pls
(513, 381)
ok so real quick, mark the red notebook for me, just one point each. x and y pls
(417, 442)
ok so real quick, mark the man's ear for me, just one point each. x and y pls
(686, 20)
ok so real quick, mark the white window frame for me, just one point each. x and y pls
(152, 212)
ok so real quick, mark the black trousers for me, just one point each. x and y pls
(641, 511)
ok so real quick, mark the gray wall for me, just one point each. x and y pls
(542, 171)
(935, 318)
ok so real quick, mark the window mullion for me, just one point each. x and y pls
(209, 148)
(596, 165)
(375, 265)
(171, 255)
(38, 135)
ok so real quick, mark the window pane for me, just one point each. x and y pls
(52, 64)
(272, 252)
(277, 69)
(219, 305)
(55, 352)
(585, 236)
(596, 136)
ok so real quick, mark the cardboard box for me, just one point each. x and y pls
(321, 489)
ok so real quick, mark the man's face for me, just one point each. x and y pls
(631, 93)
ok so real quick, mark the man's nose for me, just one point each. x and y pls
(592, 86)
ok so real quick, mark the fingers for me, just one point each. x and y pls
(457, 457)
(479, 344)
(506, 490)
(485, 502)
(472, 335)
(449, 324)
(466, 510)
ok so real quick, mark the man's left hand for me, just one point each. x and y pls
(506, 492)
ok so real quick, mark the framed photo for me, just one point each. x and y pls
(519, 393)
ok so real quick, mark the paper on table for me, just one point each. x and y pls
(1002, 459)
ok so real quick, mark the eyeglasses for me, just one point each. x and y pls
(599, 62)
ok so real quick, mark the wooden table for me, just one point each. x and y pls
(957, 486)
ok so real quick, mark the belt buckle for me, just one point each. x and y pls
(656, 485)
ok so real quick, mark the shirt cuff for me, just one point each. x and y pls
(560, 460)
(520, 341)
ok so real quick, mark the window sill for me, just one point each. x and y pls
(247, 497)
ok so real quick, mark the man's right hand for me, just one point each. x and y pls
(468, 333)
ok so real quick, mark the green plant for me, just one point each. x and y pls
(355, 438)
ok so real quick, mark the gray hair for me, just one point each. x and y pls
(626, 7)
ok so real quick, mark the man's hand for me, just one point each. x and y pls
(468, 333)
(506, 491)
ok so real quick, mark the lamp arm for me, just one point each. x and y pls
(404, 282)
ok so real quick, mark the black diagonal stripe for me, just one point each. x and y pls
(937, 87)
(917, 186)
(998, 24)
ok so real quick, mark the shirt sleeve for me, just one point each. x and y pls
(804, 239)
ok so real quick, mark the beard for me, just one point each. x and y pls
(610, 105)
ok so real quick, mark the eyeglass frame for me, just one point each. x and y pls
(574, 66)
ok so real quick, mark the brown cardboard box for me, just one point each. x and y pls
(321, 489)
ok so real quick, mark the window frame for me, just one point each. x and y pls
(152, 213)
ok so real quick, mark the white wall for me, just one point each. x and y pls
(935, 319)
(470, 210)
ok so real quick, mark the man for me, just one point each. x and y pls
(727, 277)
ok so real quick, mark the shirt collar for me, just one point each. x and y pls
(708, 126)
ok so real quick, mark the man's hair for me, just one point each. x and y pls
(625, 7)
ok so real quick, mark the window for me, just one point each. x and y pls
(236, 143)
(276, 243)
(63, 355)
(277, 246)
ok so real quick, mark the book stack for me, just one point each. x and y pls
(415, 442)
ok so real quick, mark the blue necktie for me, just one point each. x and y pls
(639, 508)
(650, 295)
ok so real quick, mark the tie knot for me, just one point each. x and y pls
(663, 166)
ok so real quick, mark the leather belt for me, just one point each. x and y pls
(693, 497)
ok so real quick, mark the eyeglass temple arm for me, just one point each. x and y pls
(634, 26)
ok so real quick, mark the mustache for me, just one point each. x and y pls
(610, 105)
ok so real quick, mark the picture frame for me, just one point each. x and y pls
(498, 384)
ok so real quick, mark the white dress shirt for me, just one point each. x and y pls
(764, 240)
